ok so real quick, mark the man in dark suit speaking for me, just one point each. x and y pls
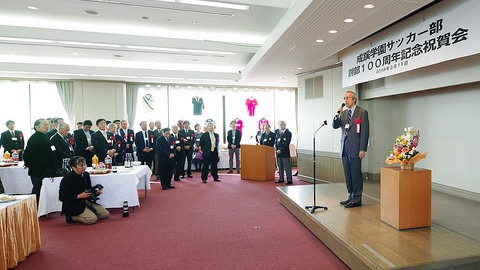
(355, 132)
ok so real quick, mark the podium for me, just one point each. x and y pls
(258, 162)
(406, 197)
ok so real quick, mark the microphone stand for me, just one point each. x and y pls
(315, 206)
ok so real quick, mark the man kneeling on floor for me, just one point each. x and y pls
(78, 196)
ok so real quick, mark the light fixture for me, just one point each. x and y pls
(89, 44)
(214, 4)
(113, 76)
(369, 6)
(348, 20)
(26, 40)
(332, 31)
(298, 68)
(61, 74)
(90, 12)
(32, 7)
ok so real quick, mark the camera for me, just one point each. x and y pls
(93, 190)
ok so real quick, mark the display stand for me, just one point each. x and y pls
(405, 197)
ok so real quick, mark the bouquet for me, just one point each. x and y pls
(405, 148)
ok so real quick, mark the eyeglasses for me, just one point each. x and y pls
(345, 98)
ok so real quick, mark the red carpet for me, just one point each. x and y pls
(234, 224)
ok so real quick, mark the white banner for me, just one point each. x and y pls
(450, 35)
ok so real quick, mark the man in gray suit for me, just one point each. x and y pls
(355, 132)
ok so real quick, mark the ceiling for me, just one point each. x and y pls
(185, 41)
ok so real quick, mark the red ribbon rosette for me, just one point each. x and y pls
(151, 138)
(20, 136)
(358, 121)
(119, 143)
(72, 141)
(131, 137)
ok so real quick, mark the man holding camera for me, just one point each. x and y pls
(78, 196)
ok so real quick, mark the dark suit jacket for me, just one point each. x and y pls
(156, 134)
(268, 139)
(206, 144)
(9, 144)
(62, 149)
(353, 142)
(100, 145)
(282, 143)
(39, 157)
(163, 149)
(51, 132)
(81, 143)
(140, 143)
(188, 136)
(129, 137)
(238, 138)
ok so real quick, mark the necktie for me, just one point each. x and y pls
(212, 142)
(13, 133)
(145, 138)
(122, 132)
(349, 117)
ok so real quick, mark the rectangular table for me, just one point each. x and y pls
(19, 230)
(117, 188)
(15, 179)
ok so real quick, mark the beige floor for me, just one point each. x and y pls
(360, 239)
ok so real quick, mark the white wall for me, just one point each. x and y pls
(94, 99)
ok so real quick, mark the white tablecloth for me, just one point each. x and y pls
(117, 188)
(15, 179)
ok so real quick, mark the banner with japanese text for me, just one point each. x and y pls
(452, 34)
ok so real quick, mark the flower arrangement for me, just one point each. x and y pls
(405, 149)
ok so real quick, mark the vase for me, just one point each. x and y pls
(408, 166)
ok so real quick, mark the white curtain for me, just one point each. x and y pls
(65, 90)
(132, 94)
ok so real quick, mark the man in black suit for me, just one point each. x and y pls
(12, 140)
(62, 144)
(157, 132)
(39, 156)
(83, 142)
(189, 136)
(282, 146)
(165, 152)
(268, 137)
(209, 146)
(355, 132)
(102, 144)
(54, 124)
(145, 144)
(233, 139)
(179, 152)
(118, 144)
(128, 136)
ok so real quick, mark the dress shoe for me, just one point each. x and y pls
(295, 174)
(279, 181)
(229, 172)
(190, 176)
(165, 188)
(216, 180)
(69, 219)
(353, 204)
(204, 181)
(182, 176)
(345, 202)
(171, 187)
(238, 171)
(289, 183)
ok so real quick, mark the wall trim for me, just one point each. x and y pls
(460, 193)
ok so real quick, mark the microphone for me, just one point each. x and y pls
(325, 122)
(341, 107)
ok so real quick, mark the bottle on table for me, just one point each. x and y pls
(108, 162)
(94, 161)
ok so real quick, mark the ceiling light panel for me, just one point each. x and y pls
(214, 4)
